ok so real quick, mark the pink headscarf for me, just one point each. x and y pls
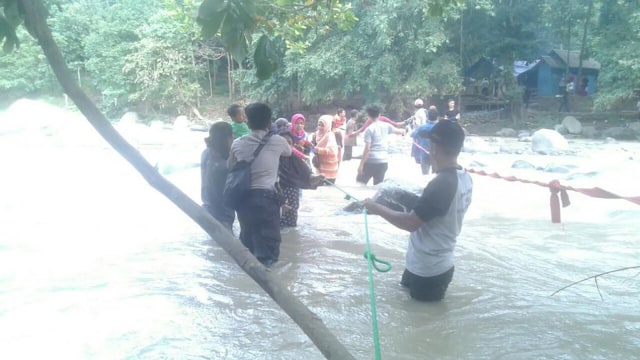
(295, 119)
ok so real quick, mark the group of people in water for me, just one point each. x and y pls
(288, 159)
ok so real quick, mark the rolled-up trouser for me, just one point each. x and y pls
(260, 225)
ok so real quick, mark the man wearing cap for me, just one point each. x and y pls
(436, 220)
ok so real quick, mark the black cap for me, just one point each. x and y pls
(447, 134)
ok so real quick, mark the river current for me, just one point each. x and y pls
(95, 264)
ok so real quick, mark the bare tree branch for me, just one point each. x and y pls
(595, 278)
(309, 322)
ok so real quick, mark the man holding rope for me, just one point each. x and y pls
(436, 220)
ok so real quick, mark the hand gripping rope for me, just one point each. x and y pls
(372, 263)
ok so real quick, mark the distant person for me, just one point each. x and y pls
(213, 172)
(337, 126)
(436, 220)
(260, 214)
(452, 113)
(419, 114)
(351, 137)
(564, 97)
(375, 156)
(340, 118)
(420, 146)
(638, 106)
(238, 121)
(326, 149)
(294, 174)
(485, 87)
(526, 97)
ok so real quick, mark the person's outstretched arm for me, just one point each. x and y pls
(402, 220)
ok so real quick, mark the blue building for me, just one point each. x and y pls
(546, 75)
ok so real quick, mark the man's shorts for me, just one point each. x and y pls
(430, 288)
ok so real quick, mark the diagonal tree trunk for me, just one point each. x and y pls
(310, 323)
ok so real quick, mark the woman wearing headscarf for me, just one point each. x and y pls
(294, 174)
(326, 149)
(300, 140)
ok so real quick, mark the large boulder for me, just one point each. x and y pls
(521, 164)
(506, 132)
(635, 126)
(561, 129)
(620, 133)
(130, 117)
(473, 144)
(589, 131)
(573, 125)
(181, 123)
(545, 141)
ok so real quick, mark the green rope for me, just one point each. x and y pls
(372, 263)
(347, 196)
(372, 296)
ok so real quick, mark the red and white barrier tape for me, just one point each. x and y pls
(556, 188)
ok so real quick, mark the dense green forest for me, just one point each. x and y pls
(151, 56)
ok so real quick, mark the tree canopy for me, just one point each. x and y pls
(164, 56)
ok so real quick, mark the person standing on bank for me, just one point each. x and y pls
(436, 220)
(259, 217)
(375, 156)
(451, 113)
(213, 170)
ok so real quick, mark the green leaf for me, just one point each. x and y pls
(265, 58)
(211, 15)
(8, 34)
(234, 38)
(245, 14)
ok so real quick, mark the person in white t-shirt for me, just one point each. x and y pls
(375, 156)
(420, 114)
(436, 220)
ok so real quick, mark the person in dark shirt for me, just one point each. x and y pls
(293, 175)
(213, 170)
(451, 113)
